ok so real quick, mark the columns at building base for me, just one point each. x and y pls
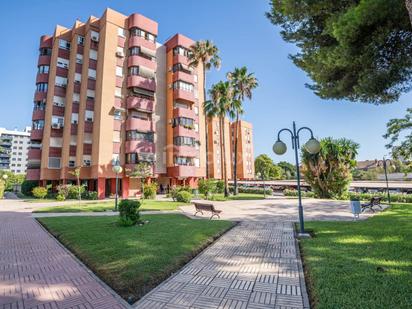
(125, 187)
(101, 188)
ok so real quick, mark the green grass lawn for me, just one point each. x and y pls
(132, 260)
(109, 206)
(240, 196)
(364, 264)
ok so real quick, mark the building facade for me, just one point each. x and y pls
(107, 90)
(14, 148)
(245, 161)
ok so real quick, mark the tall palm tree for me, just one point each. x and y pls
(221, 96)
(242, 83)
(206, 53)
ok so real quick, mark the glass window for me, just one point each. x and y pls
(92, 74)
(59, 101)
(54, 162)
(89, 116)
(77, 77)
(121, 32)
(43, 69)
(37, 125)
(140, 136)
(39, 105)
(183, 86)
(93, 54)
(118, 92)
(117, 114)
(60, 81)
(184, 141)
(90, 94)
(45, 51)
(62, 63)
(63, 44)
(41, 87)
(76, 97)
(75, 118)
(119, 71)
(80, 40)
(183, 121)
(79, 58)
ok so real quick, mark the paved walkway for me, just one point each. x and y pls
(255, 265)
(37, 272)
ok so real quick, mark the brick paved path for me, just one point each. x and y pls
(37, 272)
(255, 265)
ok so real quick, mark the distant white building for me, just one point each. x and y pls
(14, 147)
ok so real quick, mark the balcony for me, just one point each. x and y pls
(186, 77)
(182, 131)
(129, 168)
(179, 94)
(184, 112)
(141, 125)
(140, 103)
(44, 60)
(33, 174)
(141, 82)
(141, 61)
(185, 151)
(38, 114)
(139, 146)
(34, 154)
(181, 171)
(40, 96)
(139, 41)
(180, 59)
(36, 134)
(42, 78)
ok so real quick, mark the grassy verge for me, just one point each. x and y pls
(132, 260)
(108, 206)
(364, 264)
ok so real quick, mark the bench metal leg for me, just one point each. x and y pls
(214, 214)
(197, 212)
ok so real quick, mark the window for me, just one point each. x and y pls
(56, 142)
(179, 50)
(63, 63)
(183, 86)
(116, 136)
(184, 141)
(94, 36)
(134, 70)
(119, 71)
(75, 118)
(59, 101)
(80, 40)
(87, 160)
(57, 120)
(133, 51)
(117, 114)
(88, 138)
(139, 32)
(41, 87)
(77, 78)
(72, 161)
(76, 97)
(197, 162)
(39, 105)
(92, 74)
(182, 68)
(196, 127)
(60, 81)
(121, 32)
(89, 116)
(93, 54)
(134, 158)
(183, 121)
(54, 162)
(180, 105)
(196, 110)
(63, 44)
(184, 161)
(45, 51)
(118, 92)
(73, 140)
(43, 69)
(90, 94)
(142, 71)
(37, 125)
(79, 58)
(140, 136)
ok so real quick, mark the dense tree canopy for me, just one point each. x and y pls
(329, 171)
(360, 50)
(267, 168)
(399, 132)
(288, 170)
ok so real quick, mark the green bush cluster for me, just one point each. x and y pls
(90, 195)
(39, 192)
(183, 197)
(268, 191)
(150, 191)
(27, 187)
(129, 212)
(208, 187)
(2, 187)
(292, 192)
(175, 190)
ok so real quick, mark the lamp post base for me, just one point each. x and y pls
(304, 235)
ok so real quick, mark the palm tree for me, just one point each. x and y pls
(218, 106)
(242, 83)
(206, 53)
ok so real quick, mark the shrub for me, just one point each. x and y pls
(268, 191)
(39, 192)
(90, 195)
(207, 187)
(63, 190)
(293, 192)
(60, 197)
(129, 212)
(27, 187)
(150, 191)
(220, 186)
(73, 191)
(184, 197)
(175, 190)
(2, 187)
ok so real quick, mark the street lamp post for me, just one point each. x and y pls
(117, 169)
(312, 146)
(384, 164)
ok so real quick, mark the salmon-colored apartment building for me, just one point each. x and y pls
(107, 90)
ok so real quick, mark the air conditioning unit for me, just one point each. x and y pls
(95, 39)
(120, 54)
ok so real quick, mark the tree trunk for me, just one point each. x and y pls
(206, 133)
(408, 4)
(223, 154)
(235, 189)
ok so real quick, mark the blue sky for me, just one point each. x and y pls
(244, 37)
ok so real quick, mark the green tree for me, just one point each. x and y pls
(395, 130)
(142, 171)
(207, 54)
(288, 170)
(267, 168)
(329, 171)
(242, 83)
(360, 50)
(221, 96)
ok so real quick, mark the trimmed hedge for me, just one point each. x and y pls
(268, 191)
(184, 197)
(289, 192)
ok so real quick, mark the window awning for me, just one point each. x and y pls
(147, 51)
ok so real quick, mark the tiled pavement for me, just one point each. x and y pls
(255, 265)
(37, 272)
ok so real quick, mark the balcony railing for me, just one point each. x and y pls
(139, 146)
(181, 171)
(141, 125)
(140, 103)
(179, 94)
(141, 82)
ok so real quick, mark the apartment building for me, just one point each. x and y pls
(14, 148)
(245, 161)
(107, 90)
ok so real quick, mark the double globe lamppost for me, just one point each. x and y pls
(312, 146)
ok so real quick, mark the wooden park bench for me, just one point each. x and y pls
(375, 201)
(200, 207)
